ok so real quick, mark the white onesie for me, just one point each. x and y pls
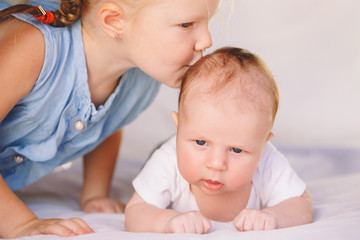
(161, 184)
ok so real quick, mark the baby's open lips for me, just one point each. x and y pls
(212, 185)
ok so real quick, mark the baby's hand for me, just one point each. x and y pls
(103, 205)
(189, 222)
(60, 227)
(254, 220)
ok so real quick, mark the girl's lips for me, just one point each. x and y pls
(212, 185)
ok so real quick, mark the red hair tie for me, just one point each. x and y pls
(46, 17)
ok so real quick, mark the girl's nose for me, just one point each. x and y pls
(204, 40)
(217, 161)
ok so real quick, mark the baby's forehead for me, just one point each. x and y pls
(242, 90)
(220, 82)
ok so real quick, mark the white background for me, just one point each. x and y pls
(313, 50)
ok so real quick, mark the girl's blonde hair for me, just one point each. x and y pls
(68, 12)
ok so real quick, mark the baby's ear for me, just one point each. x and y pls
(112, 18)
(270, 136)
(175, 117)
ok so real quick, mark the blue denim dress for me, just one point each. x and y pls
(57, 122)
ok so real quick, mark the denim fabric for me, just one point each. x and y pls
(39, 133)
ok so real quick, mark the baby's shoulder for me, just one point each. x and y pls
(271, 160)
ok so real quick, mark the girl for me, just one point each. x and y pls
(68, 85)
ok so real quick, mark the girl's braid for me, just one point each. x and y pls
(68, 12)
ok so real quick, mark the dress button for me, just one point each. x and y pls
(18, 158)
(79, 125)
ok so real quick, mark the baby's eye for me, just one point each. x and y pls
(186, 25)
(236, 150)
(200, 142)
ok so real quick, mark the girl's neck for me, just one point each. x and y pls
(223, 207)
(104, 60)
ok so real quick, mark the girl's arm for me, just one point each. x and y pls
(18, 220)
(22, 52)
(22, 49)
(288, 213)
(13, 210)
(143, 217)
(99, 166)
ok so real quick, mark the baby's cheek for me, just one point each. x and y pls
(238, 179)
(188, 169)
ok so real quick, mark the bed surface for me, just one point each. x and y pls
(332, 177)
(312, 48)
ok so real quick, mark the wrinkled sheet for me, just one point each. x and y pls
(332, 177)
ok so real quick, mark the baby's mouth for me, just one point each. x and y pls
(212, 185)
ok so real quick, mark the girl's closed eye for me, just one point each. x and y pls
(186, 25)
(200, 142)
(236, 150)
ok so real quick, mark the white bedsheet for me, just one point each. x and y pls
(332, 177)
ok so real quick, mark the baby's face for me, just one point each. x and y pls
(219, 147)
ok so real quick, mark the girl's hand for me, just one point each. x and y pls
(103, 205)
(60, 227)
(189, 222)
(254, 220)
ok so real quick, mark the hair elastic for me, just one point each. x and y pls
(46, 17)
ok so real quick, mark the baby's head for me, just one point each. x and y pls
(227, 107)
(232, 75)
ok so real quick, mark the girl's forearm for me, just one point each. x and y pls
(99, 166)
(13, 212)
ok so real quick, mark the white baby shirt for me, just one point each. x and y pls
(161, 184)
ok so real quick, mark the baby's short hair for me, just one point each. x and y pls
(222, 75)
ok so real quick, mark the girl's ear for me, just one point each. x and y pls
(174, 116)
(112, 18)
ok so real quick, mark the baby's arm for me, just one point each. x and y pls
(291, 212)
(99, 166)
(143, 217)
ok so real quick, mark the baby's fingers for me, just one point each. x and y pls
(189, 222)
(197, 223)
(206, 225)
(239, 222)
(254, 220)
(245, 220)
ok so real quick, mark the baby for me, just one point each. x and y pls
(220, 166)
